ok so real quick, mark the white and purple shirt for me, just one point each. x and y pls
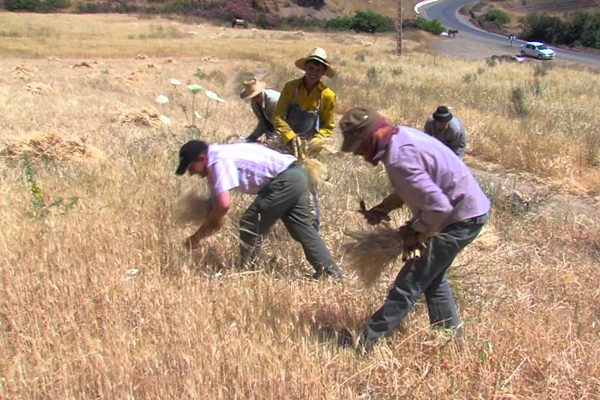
(247, 167)
(436, 185)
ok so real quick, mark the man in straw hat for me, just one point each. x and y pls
(305, 111)
(447, 129)
(263, 102)
(445, 200)
(281, 186)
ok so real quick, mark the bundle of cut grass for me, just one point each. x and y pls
(316, 170)
(24, 71)
(307, 157)
(371, 252)
(193, 208)
(39, 88)
(51, 145)
(140, 117)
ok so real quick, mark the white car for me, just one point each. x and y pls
(538, 50)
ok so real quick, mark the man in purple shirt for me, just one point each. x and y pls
(445, 199)
(280, 184)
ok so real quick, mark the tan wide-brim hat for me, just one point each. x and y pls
(252, 88)
(320, 55)
(355, 124)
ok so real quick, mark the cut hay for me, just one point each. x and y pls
(51, 145)
(371, 252)
(193, 208)
(141, 57)
(39, 88)
(140, 118)
(23, 71)
(84, 64)
(317, 171)
(210, 59)
(131, 77)
(53, 59)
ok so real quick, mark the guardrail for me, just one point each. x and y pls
(421, 4)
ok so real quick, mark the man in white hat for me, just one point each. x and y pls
(305, 110)
(263, 102)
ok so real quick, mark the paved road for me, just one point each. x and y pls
(446, 11)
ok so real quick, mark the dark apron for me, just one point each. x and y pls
(304, 123)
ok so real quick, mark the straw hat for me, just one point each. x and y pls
(252, 88)
(320, 55)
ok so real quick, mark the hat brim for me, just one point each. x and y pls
(183, 167)
(349, 145)
(260, 86)
(446, 118)
(301, 62)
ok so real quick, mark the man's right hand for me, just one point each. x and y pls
(374, 215)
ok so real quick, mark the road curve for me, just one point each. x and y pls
(446, 11)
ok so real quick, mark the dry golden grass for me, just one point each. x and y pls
(101, 300)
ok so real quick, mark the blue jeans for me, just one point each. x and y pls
(426, 275)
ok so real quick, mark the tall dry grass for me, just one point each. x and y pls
(101, 300)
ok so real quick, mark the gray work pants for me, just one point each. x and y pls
(425, 275)
(285, 198)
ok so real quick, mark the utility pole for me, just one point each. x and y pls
(399, 40)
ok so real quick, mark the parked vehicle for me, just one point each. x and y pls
(537, 50)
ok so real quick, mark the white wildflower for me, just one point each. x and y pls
(162, 99)
(175, 82)
(213, 96)
(197, 114)
(164, 119)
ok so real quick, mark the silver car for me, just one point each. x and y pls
(537, 50)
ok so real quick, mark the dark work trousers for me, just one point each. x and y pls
(285, 198)
(315, 211)
(425, 275)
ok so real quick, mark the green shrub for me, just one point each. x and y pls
(339, 24)
(368, 21)
(21, 5)
(498, 15)
(42, 6)
(430, 25)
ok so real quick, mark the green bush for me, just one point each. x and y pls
(368, 21)
(339, 24)
(21, 5)
(498, 15)
(430, 25)
(36, 5)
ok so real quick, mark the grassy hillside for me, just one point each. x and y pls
(100, 299)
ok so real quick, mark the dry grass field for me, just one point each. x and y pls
(100, 300)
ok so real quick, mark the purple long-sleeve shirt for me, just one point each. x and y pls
(436, 185)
